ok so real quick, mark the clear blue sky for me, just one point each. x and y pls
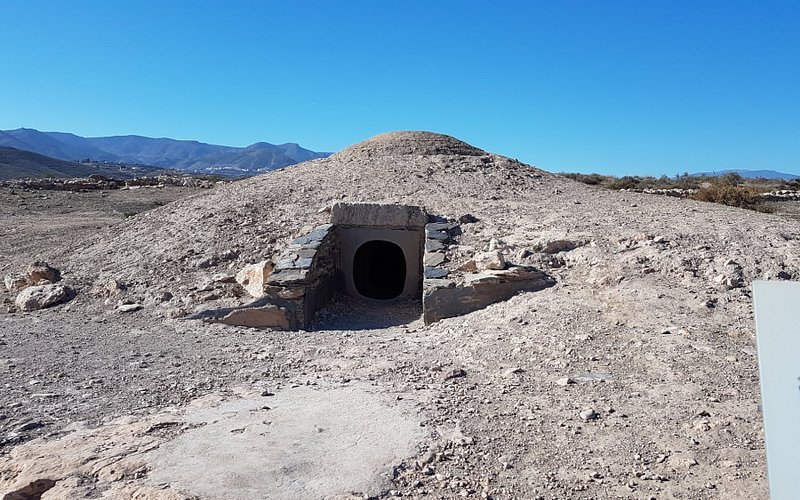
(645, 87)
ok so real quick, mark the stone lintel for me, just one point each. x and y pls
(378, 215)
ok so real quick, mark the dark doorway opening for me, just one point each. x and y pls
(379, 270)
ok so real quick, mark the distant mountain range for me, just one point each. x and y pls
(18, 164)
(751, 174)
(190, 156)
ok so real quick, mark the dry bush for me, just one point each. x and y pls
(728, 191)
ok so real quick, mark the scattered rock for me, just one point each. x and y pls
(207, 262)
(490, 260)
(40, 297)
(511, 372)
(126, 308)
(29, 426)
(454, 373)
(223, 278)
(39, 272)
(559, 246)
(565, 381)
(469, 266)
(496, 245)
(15, 282)
(107, 288)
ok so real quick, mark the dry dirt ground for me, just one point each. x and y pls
(634, 377)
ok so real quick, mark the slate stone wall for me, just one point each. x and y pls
(304, 274)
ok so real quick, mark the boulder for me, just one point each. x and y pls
(40, 296)
(15, 282)
(254, 277)
(39, 272)
(489, 260)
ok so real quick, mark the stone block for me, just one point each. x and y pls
(479, 291)
(432, 245)
(316, 235)
(441, 226)
(433, 272)
(378, 215)
(254, 277)
(433, 259)
(267, 316)
(432, 234)
(288, 276)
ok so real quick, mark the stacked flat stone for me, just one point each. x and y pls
(437, 237)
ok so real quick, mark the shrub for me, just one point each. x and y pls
(626, 182)
(591, 179)
(727, 191)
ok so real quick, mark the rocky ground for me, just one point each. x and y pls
(635, 376)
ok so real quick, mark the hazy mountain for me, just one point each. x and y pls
(19, 164)
(43, 143)
(751, 174)
(191, 156)
(12, 142)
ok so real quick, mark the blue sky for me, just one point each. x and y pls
(633, 87)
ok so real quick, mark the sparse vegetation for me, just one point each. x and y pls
(730, 189)
(682, 181)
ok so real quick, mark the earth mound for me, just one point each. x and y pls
(410, 143)
(252, 220)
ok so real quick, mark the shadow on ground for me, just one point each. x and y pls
(349, 313)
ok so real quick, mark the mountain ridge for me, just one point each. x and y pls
(18, 163)
(749, 174)
(162, 152)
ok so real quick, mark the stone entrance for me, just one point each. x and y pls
(380, 253)
(380, 250)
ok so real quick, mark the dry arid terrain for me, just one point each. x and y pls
(635, 376)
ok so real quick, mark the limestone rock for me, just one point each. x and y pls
(490, 260)
(41, 271)
(107, 288)
(40, 297)
(258, 317)
(254, 277)
(557, 246)
(126, 308)
(15, 282)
